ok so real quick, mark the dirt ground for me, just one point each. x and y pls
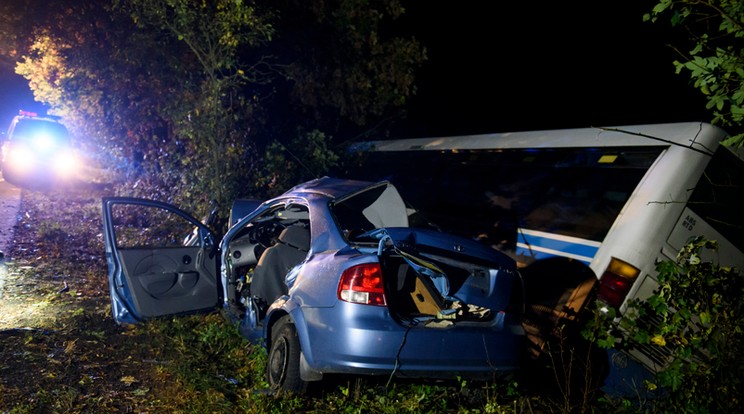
(62, 352)
(10, 199)
(59, 349)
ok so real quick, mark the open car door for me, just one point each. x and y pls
(161, 261)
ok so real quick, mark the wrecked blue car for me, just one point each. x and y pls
(333, 277)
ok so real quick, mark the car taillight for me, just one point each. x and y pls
(362, 284)
(616, 282)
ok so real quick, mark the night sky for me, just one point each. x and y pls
(14, 95)
(530, 65)
(523, 66)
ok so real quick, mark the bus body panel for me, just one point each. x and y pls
(689, 134)
(651, 212)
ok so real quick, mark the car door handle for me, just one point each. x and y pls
(188, 280)
(170, 284)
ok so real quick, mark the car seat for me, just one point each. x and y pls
(269, 277)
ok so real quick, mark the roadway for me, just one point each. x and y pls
(10, 202)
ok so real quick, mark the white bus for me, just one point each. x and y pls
(614, 200)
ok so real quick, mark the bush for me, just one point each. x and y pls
(701, 316)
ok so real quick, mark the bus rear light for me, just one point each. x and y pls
(362, 284)
(616, 282)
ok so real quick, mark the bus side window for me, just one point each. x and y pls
(717, 196)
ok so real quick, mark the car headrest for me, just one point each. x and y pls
(297, 237)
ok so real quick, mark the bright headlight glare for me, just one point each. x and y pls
(44, 141)
(65, 164)
(22, 158)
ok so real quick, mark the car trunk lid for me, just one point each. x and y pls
(440, 280)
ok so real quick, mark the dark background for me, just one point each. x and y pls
(546, 65)
(14, 95)
(497, 67)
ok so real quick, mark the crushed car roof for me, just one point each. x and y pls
(333, 188)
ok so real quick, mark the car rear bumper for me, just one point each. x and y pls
(371, 342)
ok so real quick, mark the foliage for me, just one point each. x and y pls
(715, 59)
(206, 117)
(89, 63)
(340, 57)
(209, 360)
(306, 157)
(700, 314)
(182, 99)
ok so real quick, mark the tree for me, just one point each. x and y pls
(305, 157)
(85, 62)
(715, 57)
(210, 108)
(343, 56)
(345, 72)
(188, 97)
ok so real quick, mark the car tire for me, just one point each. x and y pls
(283, 366)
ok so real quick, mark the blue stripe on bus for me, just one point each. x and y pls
(542, 245)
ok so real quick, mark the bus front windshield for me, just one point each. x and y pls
(493, 195)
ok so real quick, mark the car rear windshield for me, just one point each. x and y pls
(375, 207)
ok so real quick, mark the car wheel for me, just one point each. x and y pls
(283, 367)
